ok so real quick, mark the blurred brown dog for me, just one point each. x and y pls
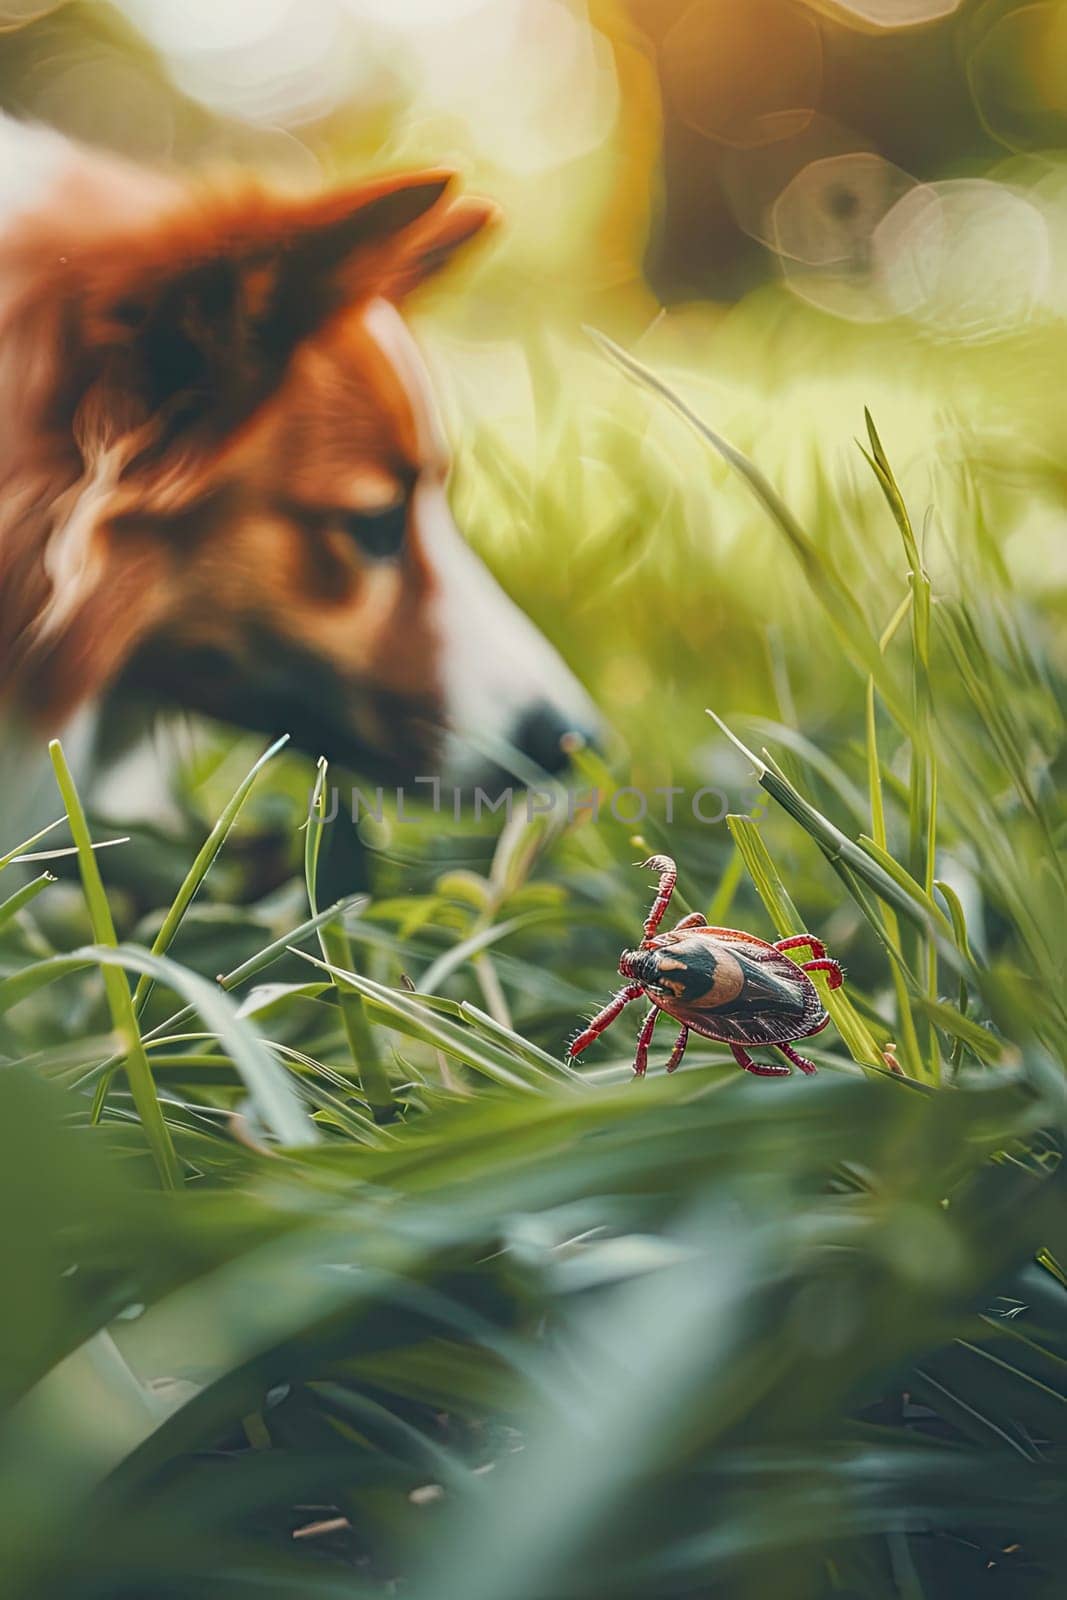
(222, 477)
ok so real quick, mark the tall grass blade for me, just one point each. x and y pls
(859, 1041)
(336, 949)
(119, 999)
(202, 864)
(270, 1087)
(19, 849)
(199, 870)
(840, 850)
(842, 609)
(22, 897)
(227, 981)
(403, 1011)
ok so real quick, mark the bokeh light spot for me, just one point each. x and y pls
(823, 224)
(745, 75)
(828, 213)
(534, 86)
(753, 179)
(1018, 76)
(269, 61)
(967, 258)
(885, 14)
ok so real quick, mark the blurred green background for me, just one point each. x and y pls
(353, 1288)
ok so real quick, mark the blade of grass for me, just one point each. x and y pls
(14, 903)
(903, 877)
(858, 1038)
(119, 999)
(68, 1057)
(183, 899)
(14, 854)
(986, 1045)
(957, 628)
(68, 850)
(959, 923)
(909, 1039)
(842, 609)
(38, 975)
(922, 778)
(837, 846)
(810, 756)
(519, 846)
(336, 949)
(402, 1010)
(227, 980)
(269, 1086)
(202, 864)
(515, 1042)
(449, 960)
(928, 888)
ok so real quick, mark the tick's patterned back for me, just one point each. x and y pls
(734, 989)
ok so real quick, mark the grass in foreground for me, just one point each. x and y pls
(331, 1274)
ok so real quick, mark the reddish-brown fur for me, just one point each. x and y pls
(190, 400)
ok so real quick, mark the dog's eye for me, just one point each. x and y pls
(379, 533)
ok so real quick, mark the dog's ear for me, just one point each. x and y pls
(194, 325)
(432, 242)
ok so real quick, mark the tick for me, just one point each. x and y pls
(720, 983)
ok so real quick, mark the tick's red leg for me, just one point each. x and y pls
(835, 977)
(644, 1039)
(668, 877)
(605, 1018)
(818, 949)
(695, 919)
(798, 1061)
(743, 1059)
(679, 1049)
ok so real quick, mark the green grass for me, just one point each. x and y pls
(332, 1276)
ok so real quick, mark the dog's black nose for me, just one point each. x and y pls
(549, 738)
